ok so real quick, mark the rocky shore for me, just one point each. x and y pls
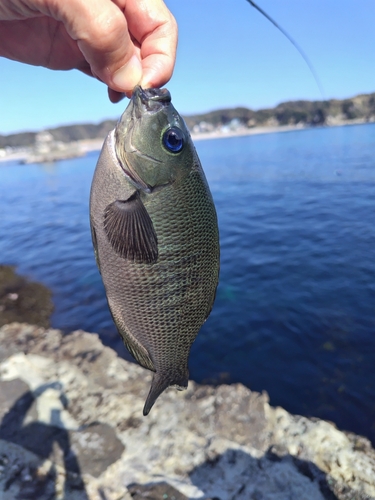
(72, 428)
(22, 300)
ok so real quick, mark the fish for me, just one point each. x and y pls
(155, 235)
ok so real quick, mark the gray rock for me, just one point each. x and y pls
(155, 491)
(23, 300)
(72, 427)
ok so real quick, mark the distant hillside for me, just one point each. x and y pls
(67, 133)
(308, 113)
(361, 107)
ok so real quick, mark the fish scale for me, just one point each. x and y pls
(159, 306)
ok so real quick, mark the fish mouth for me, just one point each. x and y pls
(150, 100)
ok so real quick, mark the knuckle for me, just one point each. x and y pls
(104, 30)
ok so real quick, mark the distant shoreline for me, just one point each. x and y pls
(70, 141)
(274, 130)
(247, 131)
(90, 145)
(85, 146)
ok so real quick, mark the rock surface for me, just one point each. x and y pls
(72, 428)
(22, 300)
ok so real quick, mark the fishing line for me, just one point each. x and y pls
(296, 45)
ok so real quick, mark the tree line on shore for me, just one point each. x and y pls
(305, 113)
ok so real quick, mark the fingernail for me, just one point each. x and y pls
(127, 77)
(147, 79)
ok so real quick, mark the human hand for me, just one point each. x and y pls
(121, 42)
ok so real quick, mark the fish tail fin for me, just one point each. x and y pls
(160, 382)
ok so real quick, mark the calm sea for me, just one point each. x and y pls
(295, 309)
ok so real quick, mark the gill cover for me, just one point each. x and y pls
(150, 138)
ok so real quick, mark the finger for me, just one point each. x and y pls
(154, 27)
(101, 32)
(40, 41)
(86, 70)
(157, 70)
(115, 96)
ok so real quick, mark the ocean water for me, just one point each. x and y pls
(295, 308)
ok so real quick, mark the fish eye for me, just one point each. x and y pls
(173, 139)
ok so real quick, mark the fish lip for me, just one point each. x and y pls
(152, 99)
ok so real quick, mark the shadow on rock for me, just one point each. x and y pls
(236, 475)
(155, 491)
(45, 441)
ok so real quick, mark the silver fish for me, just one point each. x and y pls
(155, 236)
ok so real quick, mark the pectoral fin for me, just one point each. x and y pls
(130, 230)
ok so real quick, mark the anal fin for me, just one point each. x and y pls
(138, 352)
(136, 349)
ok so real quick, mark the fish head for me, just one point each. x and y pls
(152, 142)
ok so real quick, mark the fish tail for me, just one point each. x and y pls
(159, 383)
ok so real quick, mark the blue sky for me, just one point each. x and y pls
(228, 55)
